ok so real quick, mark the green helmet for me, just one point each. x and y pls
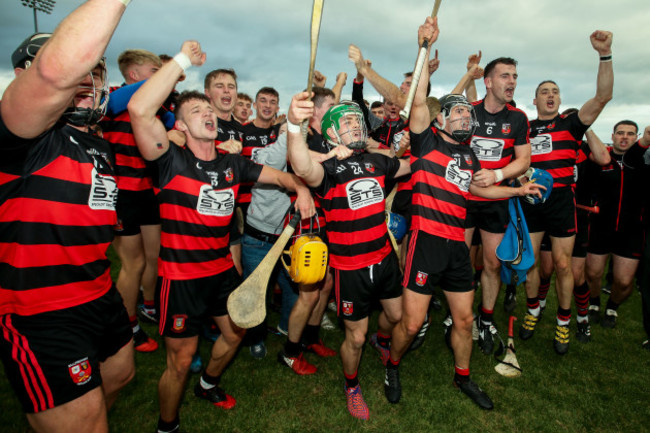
(345, 113)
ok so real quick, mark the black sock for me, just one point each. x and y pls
(210, 380)
(310, 334)
(168, 427)
(594, 300)
(392, 365)
(351, 381)
(611, 305)
(292, 349)
(486, 315)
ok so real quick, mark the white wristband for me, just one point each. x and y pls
(125, 2)
(292, 127)
(499, 175)
(183, 60)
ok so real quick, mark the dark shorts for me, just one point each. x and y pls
(556, 216)
(53, 358)
(356, 290)
(628, 243)
(582, 236)
(434, 261)
(491, 216)
(185, 304)
(135, 209)
(546, 243)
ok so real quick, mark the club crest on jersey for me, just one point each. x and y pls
(487, 149)
(364, 192)
(551, 126)
(228, 174)
(421, 278)
(541, 144)
(457, 176)
(178, 322)
(370, 167)
(80, 371)
(506, 128)
(347, 307)
(215, 202)
(103, 191)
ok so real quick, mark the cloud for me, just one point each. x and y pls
(267, 43)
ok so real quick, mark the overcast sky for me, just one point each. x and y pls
(267, 43)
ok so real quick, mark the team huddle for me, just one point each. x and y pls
(192, 195)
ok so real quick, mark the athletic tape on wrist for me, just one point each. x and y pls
(606, 58)
(499, 175)
(292, 127)
(183, 60)
(125, 2)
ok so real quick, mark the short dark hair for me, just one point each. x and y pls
(267, 91)
(544, 82)
(569, 111)
(244, 96)
(626, 122)
(214, 74)
(376, 104)
(498, 61)
(320, 93)
(408, 74)
(187, 96)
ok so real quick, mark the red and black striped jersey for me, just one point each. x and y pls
(254, 138)
(441, 174)
(619, 189)
(497, 135)
(197, 203)
(57, 212)
(353, 197)
(554, 146)
(131, 171)
(229, 130)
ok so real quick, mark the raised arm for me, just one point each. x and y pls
(466, 83)
(419, 120)
(601, 41)
(599, 153)
(149, 131)
(310, 171)
(37, 98)
(386, 89)
(341, 79)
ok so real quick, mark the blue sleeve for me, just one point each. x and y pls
(119, 99)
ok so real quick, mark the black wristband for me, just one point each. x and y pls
(607, 58)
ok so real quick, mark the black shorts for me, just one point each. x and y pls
(53, 358)
(135, 209)
(355, 291)
(185, 304)
(624, 243)
(556, 216)
(491, 216)
(432, 260)
(582, 236)
(546, 243)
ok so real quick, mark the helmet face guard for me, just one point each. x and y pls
(463, 128)
(91, 116)
(343, 124)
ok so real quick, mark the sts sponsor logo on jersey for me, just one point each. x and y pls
(215, 202)
(541, 144)
(487, 149)
(364, 192)
(457, 176)
(80, 371)
(103, 192)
